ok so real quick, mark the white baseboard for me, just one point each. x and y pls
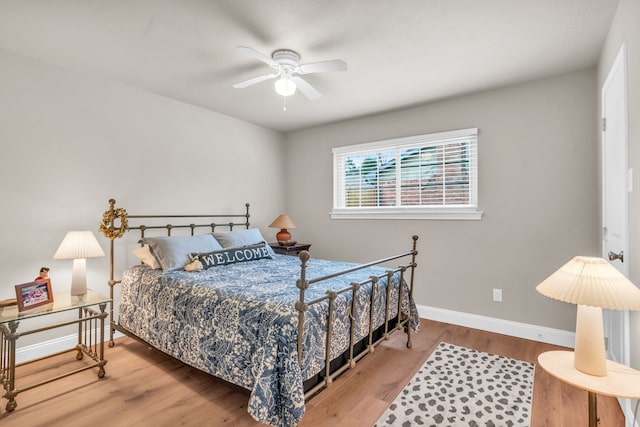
(41, 349)
(500, 326)
(52, 346)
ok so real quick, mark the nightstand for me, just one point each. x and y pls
(90, 318)
(290, 250)
(620, 381)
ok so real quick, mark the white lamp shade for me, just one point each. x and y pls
(593, 284)
(591, 281)
(79, 245)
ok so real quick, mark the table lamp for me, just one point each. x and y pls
(283, 222)
(78, 246)
(593, 284)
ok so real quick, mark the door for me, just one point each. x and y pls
(615, 188)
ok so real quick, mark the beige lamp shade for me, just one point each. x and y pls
(283, 222)
(592, 284)
(591, 281)
(78, 246)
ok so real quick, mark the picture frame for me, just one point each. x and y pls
(34, 294)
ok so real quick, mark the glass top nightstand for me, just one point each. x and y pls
(62, 301)
(90, 321)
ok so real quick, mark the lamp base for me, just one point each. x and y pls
(283, 235)
(79, 277)
(590, 356)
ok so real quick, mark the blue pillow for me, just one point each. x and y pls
(243, 237)
(232, 255)
(173, 252)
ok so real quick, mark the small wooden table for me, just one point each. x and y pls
(620, 381)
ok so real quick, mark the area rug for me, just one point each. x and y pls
(458, 386)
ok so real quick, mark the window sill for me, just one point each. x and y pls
(466, 214)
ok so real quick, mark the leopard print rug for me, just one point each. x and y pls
(458, 386)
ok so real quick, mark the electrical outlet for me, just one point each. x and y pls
(497, 295)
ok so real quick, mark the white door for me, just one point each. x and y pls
(615, 188)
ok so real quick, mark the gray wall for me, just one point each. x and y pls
(71, 141)
(537, 187)
(625, 29)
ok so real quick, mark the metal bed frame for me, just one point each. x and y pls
(115, 223)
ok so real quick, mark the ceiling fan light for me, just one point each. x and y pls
(285, 86)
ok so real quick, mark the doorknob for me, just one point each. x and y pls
(614, 256)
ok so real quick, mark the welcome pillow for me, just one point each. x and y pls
(232, 255)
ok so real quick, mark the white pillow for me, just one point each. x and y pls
(146, 257)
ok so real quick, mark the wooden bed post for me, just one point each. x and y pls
(301, 306)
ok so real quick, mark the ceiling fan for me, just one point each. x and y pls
(286, 67)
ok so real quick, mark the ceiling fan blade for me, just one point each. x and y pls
(255, 80)
(259, 55)
(323, 66)
(306, 89)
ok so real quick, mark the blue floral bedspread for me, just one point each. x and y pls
(239, 323)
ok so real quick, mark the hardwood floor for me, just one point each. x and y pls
(143, 387)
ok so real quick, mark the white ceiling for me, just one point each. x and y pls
(399, 52)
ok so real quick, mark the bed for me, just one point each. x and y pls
(281, 327)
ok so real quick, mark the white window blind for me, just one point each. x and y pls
(432, 175)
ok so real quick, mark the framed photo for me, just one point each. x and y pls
(34, 294)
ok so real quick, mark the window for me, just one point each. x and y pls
(436, 177)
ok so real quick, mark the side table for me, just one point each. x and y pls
(290, 250)
(620, 381)
(90, 323)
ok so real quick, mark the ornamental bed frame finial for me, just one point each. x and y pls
(110, 216)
